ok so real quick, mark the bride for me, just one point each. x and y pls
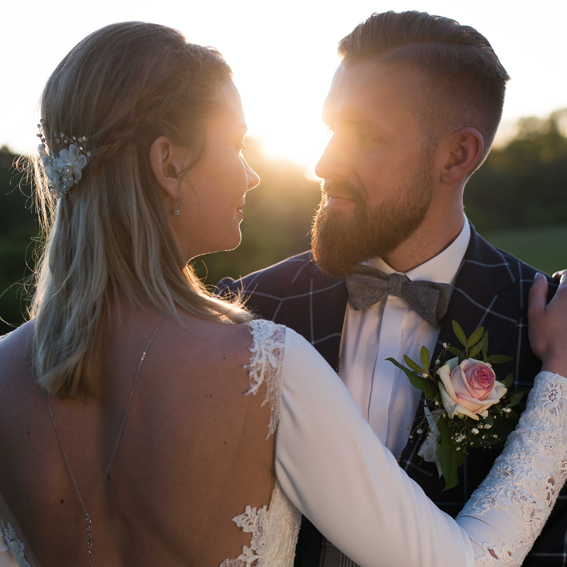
(145, 422)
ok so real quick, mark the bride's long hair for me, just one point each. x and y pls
(121, 87)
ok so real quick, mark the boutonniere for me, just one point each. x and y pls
(465, 405)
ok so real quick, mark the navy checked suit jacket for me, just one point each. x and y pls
(491, 290)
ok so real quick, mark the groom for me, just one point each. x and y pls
(413, 107)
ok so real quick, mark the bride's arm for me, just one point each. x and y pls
(336, 471)
(509, 509)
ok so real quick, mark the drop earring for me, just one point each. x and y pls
(177, 206)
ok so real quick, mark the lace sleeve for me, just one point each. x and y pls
(335, 470)
(268, 342)
(273, 528)
(507, 512)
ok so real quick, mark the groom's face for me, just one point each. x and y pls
(378, 166)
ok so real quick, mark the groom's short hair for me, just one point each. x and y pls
(468, 81)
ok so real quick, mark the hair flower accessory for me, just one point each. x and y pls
(66, 169)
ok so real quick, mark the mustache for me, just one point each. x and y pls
(341, 189)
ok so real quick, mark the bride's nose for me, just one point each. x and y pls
(253, 177)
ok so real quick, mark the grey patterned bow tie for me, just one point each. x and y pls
(428, 299)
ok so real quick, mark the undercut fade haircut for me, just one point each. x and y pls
(468, 82)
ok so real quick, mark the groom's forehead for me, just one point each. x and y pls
(373, 86)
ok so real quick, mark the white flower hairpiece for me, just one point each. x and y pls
(66, 169)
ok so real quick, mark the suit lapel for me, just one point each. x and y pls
(483, 275)
(319, 304)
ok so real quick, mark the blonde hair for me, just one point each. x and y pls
(121, 87)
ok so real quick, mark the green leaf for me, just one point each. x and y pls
(413, 365)
(489, 419)
(425, 358)
(460, 334)
(425, 385)
(508, 381)
(485, 346)
(516, 398)
(449, 458)
(498, 359)
(475, 337)
(475, 350)
(456, 352)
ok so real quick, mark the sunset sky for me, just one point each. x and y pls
(283, 55)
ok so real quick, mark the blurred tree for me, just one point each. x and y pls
(18, 228)
(523, 184)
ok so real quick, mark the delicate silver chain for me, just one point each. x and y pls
(87, 512)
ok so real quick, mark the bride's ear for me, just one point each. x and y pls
(166, 165)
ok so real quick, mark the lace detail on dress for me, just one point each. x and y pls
(266, 362)
(17, 548)
(274, 533)
(516, 480)
(274, 529)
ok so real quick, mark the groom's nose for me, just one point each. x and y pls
(333, 163)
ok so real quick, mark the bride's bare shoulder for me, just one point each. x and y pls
(198, 378)
(217, 352)
(16, 348)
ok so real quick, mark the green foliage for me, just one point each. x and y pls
(523, 183)
(427, 386)
(18, 227)
(508, 381)
(475, 337)
(516, 398)
(425, 358)
(475, 350)
(485, 346)
(456, 352)
(498, 359)
(450, 455)
(459, 333)
(542, 247)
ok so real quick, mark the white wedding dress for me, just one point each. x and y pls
(331, 467)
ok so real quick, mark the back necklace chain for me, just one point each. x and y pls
(88, 520)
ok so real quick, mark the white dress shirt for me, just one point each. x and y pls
(390, 329)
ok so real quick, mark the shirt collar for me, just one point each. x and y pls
(442, 268)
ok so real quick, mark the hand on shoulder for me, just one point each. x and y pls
(548, 324)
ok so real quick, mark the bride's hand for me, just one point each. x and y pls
(548, 324)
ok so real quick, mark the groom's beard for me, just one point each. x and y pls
(342, 240)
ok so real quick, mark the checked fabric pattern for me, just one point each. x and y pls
(491, 291)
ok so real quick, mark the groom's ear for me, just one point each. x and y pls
(462, 152)
(166, 161)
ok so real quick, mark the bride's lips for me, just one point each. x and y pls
(240, 206)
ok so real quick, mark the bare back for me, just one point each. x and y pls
(193, 453)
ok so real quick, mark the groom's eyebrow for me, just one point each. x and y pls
(369, 125)
(358, 122)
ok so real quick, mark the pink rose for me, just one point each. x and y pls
(468, 388)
